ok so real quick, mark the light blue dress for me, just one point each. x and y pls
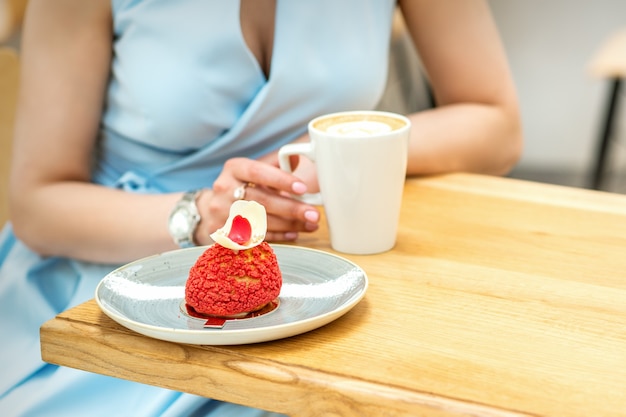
(185, 95)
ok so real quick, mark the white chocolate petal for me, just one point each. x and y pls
(257, 217)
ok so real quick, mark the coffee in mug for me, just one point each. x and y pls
(357, 125)
(361, 159)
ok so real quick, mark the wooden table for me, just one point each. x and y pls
(502, 298)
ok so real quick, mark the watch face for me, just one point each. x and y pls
(184, 219)
(181, 223)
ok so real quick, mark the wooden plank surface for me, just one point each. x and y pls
(501, 298)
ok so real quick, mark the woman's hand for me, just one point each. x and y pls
(267, 185)
(302, 167)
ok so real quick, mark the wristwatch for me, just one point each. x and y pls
(184, 219)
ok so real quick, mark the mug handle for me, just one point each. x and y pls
(301, 149)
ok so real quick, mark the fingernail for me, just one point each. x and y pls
(311, 227)
(299, 187)
(291, 235)
(312, 215)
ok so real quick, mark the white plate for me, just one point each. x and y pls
(147, 296)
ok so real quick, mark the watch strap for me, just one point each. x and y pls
(188, 202)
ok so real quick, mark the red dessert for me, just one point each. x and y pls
(238, 279)
(224, 282)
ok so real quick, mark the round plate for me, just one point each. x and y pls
(147, 296)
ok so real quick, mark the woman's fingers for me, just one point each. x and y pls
(282, 206)
(244, 170)
(281, 236)
(243, 178)
(278, 229)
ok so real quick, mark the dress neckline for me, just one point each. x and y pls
(259, 36)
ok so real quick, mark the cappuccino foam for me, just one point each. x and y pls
(358, 125)
(358, 129)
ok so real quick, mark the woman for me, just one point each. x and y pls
(126, 105)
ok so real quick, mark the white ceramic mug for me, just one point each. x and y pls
(361, 159)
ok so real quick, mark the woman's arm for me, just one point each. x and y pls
(476, 125)
(66, 57)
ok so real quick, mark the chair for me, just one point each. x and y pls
(9, 77)
(609, 63)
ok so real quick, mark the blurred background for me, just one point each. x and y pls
(551, 45)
